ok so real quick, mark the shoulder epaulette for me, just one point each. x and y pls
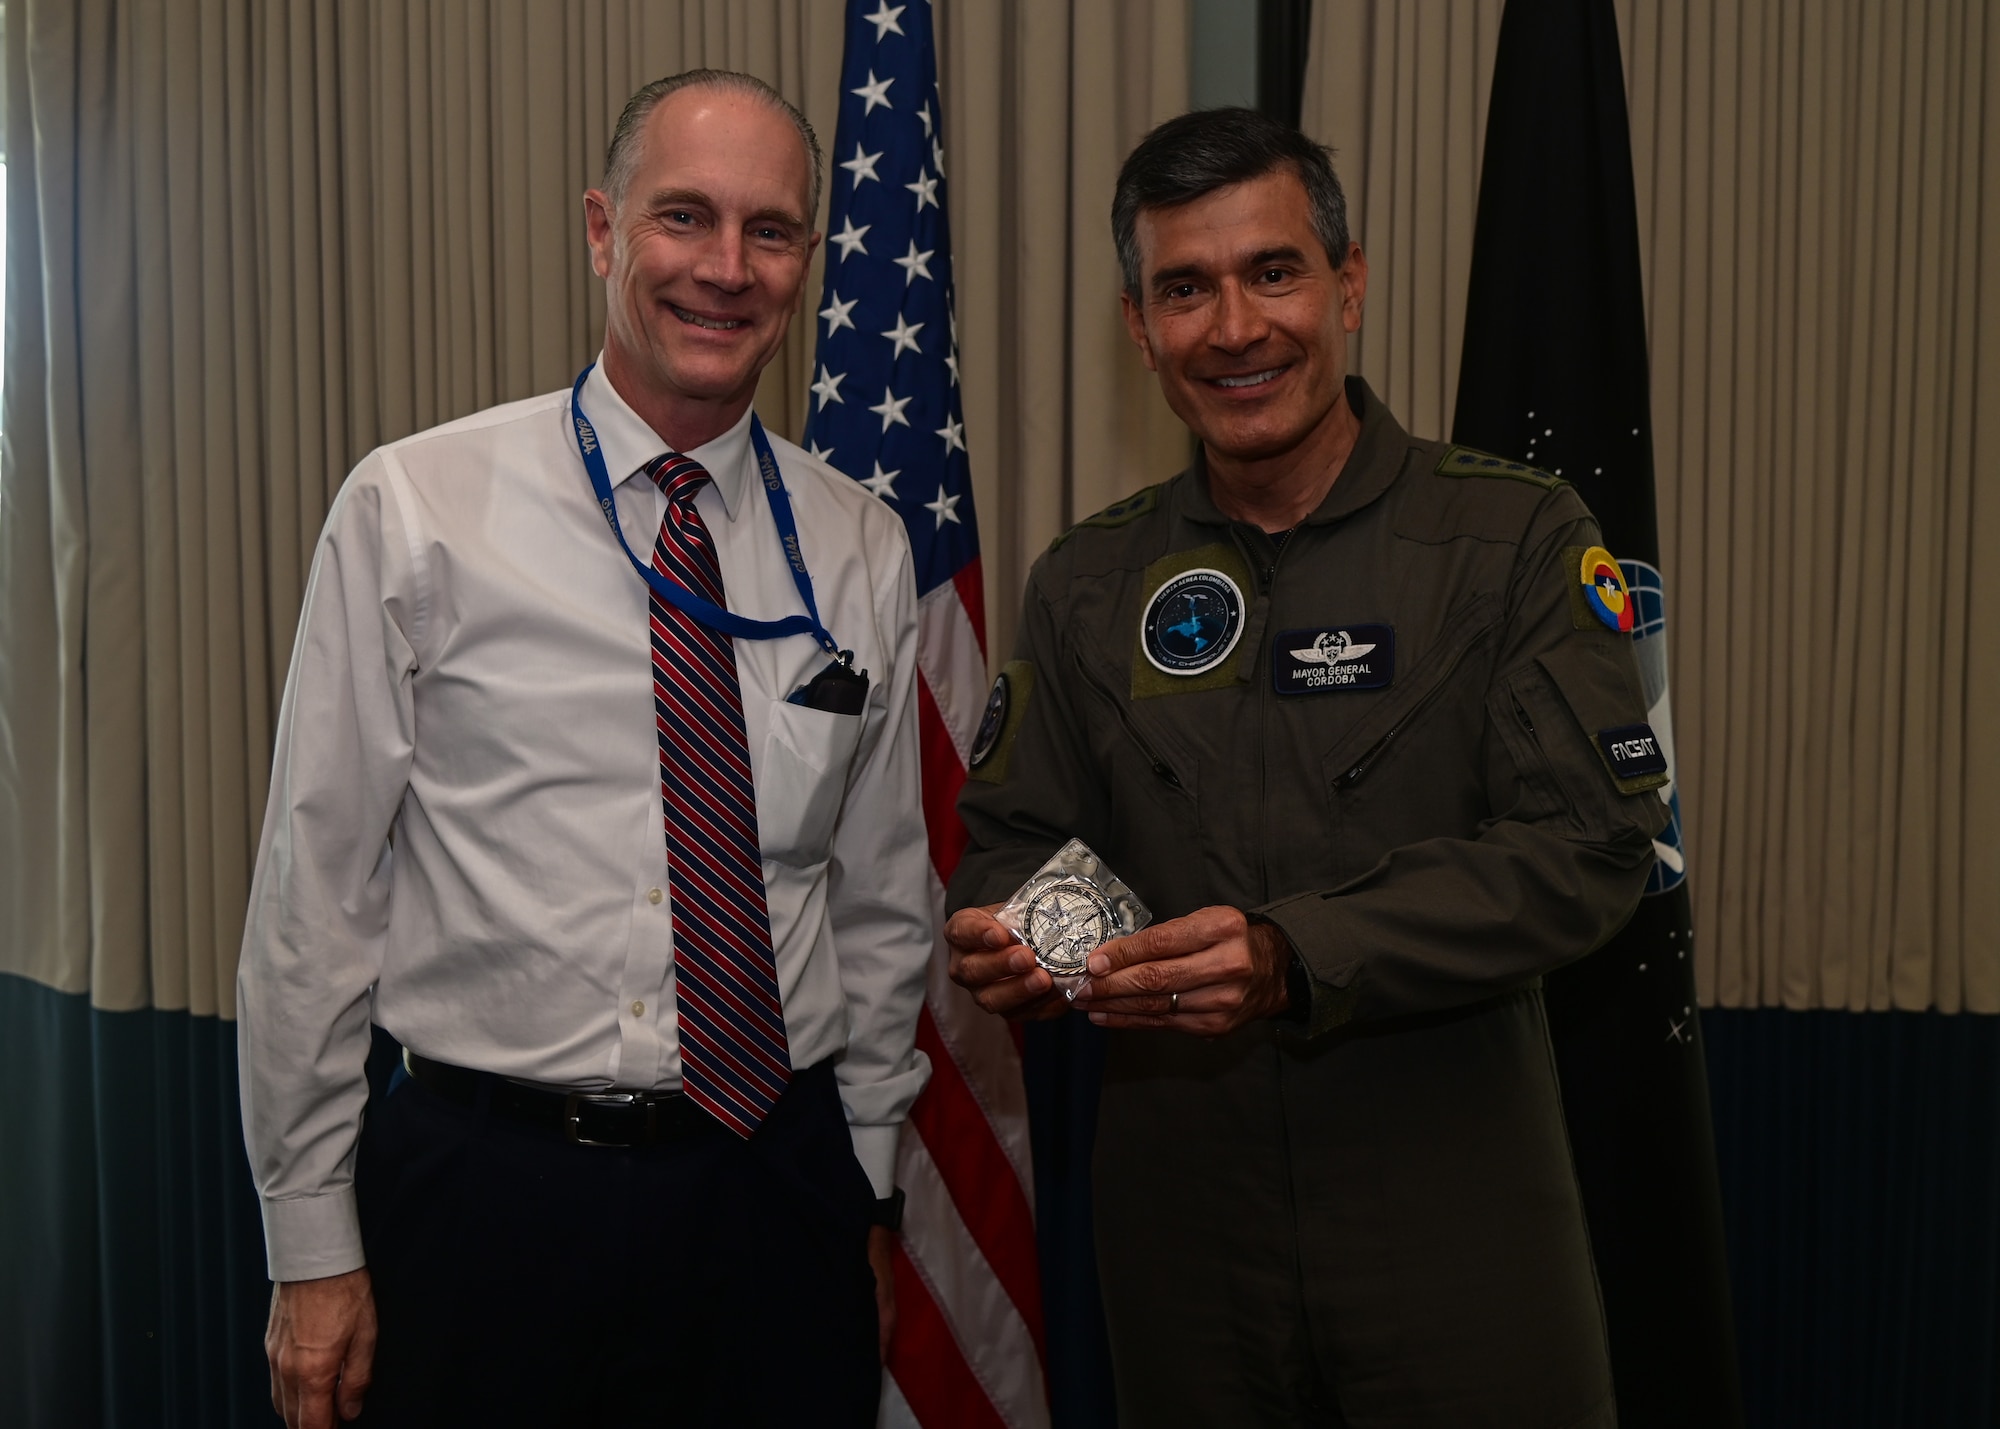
(1466, 461)
(1119, 513)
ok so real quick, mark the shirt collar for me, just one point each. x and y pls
(1370, 469)
(628, 443)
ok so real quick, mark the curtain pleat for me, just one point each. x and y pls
(1860, 1163)
(1399, 90)
(131, 1247)
(1816, 189)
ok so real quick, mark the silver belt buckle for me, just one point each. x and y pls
(572, 1115)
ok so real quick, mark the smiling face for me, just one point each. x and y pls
(1244, 318)
(704, 259)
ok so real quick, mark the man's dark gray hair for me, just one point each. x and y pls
(621, 157)
(1196, 154)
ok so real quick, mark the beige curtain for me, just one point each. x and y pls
(248, 240)
(1818, 184)
(1399, 90)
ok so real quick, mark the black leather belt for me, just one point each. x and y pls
(586, 1118)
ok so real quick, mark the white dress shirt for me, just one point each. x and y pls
(464, 841)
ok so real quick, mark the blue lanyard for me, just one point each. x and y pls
(672, 592)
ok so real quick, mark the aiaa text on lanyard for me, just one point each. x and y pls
(672, 592)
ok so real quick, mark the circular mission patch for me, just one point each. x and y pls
(1192, 622)
(991, 723)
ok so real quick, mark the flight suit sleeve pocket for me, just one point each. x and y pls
(1554, 711)
(1600, 684)
(807, 754)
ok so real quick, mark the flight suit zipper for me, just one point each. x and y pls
(1358, 771)
(1161, 768)
(1267, 585)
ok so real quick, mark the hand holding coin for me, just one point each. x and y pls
(1206, 974)
(999, 971)
(1020, 957)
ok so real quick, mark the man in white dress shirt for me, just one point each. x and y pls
(639, 1164)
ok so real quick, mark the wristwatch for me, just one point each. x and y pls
(889, 1211)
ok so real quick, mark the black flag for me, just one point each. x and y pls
(1554, 373)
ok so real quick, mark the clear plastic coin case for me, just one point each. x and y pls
(1073, 904)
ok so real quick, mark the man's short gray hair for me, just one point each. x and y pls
(1196, 154)
(621, 157)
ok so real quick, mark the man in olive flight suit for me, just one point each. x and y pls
(1356, 715)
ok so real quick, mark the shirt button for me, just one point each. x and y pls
(653, 895)
(638, 1009)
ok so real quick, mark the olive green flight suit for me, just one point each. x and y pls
(1371, 1218)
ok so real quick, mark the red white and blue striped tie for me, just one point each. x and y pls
(734, 1059)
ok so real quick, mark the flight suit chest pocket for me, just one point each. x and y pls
(802, 780)
(1142, 733)
(1386, 728)
(1412, 769)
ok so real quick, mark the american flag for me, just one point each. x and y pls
(885, 409)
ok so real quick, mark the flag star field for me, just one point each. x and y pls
(885, 404)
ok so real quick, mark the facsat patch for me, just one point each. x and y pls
(1633, 751)
(1323, 658)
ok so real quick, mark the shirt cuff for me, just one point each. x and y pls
(312, 1237)
(875, 1149)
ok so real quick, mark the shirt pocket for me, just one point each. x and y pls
(807, 755)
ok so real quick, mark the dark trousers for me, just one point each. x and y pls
(521, 1279)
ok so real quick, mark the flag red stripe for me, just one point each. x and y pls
(928, 1365)
(982, 1181)
(944, 776)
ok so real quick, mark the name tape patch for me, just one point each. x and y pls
(1633, 749)
(1323, 658)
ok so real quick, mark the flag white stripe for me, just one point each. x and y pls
(983, 1048)
(990, 1332)
(895, 1411)
(953, 666)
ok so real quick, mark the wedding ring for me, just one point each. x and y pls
(1173, 1004)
